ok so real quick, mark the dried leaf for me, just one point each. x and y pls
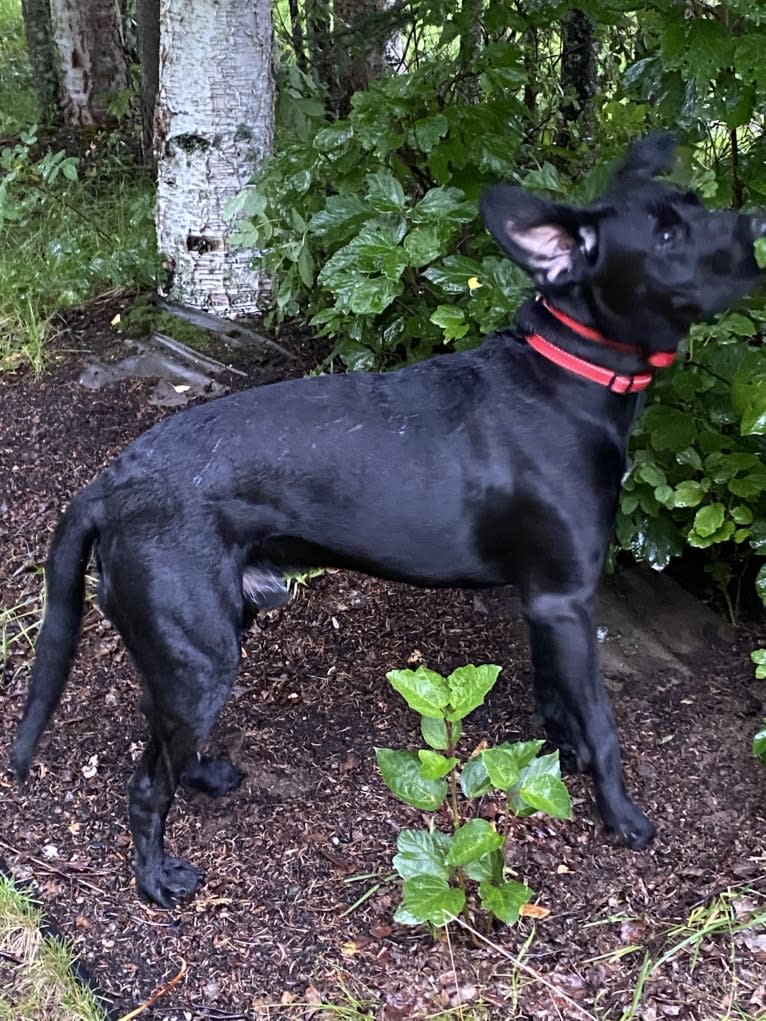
(534, 911)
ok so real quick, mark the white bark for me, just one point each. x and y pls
(213, 126)
(92, 65)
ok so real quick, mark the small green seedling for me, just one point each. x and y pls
(442, 870)
(296, 580)
(759, 741)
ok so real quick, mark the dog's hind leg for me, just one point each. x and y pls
(182, 627)
(565, 662)
(181, 706)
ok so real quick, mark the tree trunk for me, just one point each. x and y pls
(578, 75)
(92, 64)
(148, 39)
(363, 38)
(214, 125)
(42, 57)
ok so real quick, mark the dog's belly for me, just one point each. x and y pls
(426, 561)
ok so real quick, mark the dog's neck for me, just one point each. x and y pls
(585, 351)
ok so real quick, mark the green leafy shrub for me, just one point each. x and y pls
(440, 869)
(699, 477)
(369, 225)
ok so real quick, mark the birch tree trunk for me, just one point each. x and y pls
(214, 124)
(92, 64)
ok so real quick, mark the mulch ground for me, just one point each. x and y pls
(274, 930)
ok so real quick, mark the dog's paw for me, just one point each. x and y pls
(169, 882)
(215, 777)
(573, 760)
(633, 829)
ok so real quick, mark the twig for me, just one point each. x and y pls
(72, 872)
(527, 969)
(156, 994)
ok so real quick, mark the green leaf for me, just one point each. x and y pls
(691, 457)
(760, 584)
(341, 218)
(376, 241)
(709, 519)
(425, 691)
(759, 658)
(664, 494)
(423, 245)
(651, 473)
(751, 487)
(711, 48)
(759, 745)
(422, 852)
(688, 494)
(403, 916)
(758, 536)
(429, 130)
(540, 788)
(742, 514)
(453, 274)
(739, 325)
(657, 540)
(333, 137)
(524, 752)
(668, 429)
(474, 778)
(372, 296)
(628, 503)
(753, 421)
(431, 899)
(434, 732)
(451, 319)
(488, 867)
(545, 179)
(673, 42)
(434, 766)
(504, 900)
(502, 767)
(401, 773)
(440, 204)
(384, 192)
(546, 794)
(468, 685)
(748, 390)
(472, 841)
(306, 266)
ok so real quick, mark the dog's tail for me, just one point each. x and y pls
(57, 643)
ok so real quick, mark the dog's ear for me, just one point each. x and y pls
(648, 157)
(541, 237)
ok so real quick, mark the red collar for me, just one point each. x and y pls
(620, 384)
(615, 381)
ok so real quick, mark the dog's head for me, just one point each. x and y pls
(643, 262)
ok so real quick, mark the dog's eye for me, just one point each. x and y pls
(669, 235)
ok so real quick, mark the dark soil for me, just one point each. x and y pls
(313, 828)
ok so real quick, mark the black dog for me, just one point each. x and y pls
(497, 466)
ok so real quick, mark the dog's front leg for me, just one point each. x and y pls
(575, 706)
